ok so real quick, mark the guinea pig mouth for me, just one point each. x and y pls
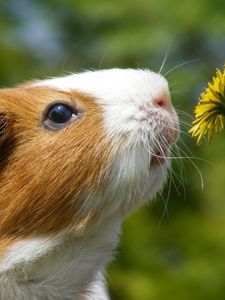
(166, 140)
(160, 157)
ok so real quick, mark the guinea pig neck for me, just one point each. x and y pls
(67, 266)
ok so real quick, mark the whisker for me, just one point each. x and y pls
(190, 159)
(191, 154)
(165, 57)
(182, 122)
(180, 177)
(103, 58)
(165, 210)
(180, 65)
(180, 112)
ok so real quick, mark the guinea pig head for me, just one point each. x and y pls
(80, 147)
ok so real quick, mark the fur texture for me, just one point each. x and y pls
(64, 193)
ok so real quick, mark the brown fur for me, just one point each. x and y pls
(45, 175)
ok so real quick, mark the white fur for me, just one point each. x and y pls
(62, 269)
(68, 266)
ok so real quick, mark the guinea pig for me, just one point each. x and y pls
(77, 155)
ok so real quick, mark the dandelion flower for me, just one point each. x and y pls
(210, 110)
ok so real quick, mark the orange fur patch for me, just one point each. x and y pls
(47, 175)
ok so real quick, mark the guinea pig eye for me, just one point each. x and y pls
(58, 115)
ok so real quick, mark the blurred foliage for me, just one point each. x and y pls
(175, 247)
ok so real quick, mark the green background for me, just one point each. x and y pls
(175, 247)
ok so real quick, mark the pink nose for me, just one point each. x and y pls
(163, 102)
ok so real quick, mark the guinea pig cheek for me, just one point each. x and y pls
(54, 174)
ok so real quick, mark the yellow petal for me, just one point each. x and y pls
(210, 110)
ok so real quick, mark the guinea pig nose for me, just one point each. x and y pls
(162, 101)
